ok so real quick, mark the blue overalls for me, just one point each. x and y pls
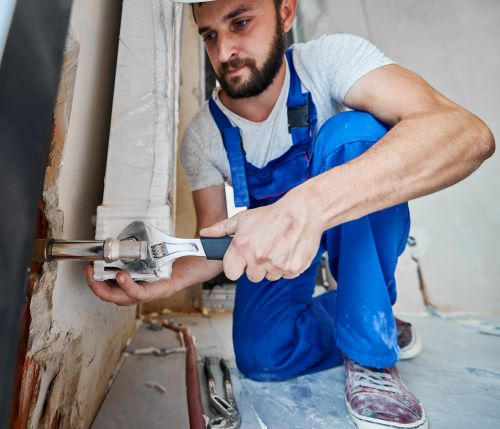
(279, 330)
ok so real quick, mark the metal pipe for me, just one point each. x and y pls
(58, 250)
(109, 250)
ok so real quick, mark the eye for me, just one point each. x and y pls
(208, 37)
(241, 23)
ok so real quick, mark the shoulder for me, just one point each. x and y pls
(200, 123)
(334, 39)
(331, 48)
(201, 130)
(334, 62)
(202, 152)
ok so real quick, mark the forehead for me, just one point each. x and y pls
(219, 10)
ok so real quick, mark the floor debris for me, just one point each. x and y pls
(157, 386)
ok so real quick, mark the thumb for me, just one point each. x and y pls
(222, 228)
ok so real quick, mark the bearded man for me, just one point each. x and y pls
(314, 178)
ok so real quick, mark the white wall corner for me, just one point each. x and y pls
(140, 171)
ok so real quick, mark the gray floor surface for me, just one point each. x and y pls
(456, 377)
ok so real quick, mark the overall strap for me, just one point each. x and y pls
(231, 138)
(302, 116)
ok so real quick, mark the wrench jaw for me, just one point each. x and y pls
(161, 249)
(150, 266)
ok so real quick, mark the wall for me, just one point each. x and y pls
(140, 171)
(191, 95)
(75, 340)
(452, 44)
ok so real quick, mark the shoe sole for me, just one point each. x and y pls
(414, 348)
(363, 422)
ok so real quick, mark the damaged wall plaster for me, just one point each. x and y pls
(75, 340)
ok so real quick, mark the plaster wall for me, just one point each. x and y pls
(140, 171)
(453, 45)
(190, 98)
(75, 340)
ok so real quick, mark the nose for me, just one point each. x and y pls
(227, 47)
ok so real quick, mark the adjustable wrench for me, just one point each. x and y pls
(142, 248)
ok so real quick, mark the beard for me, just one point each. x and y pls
(260, 78)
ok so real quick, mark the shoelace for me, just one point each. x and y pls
(364, 377)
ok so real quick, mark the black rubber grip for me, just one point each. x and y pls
(226, 374)
(215, 248)
(207, 370)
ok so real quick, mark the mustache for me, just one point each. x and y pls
(236, 63)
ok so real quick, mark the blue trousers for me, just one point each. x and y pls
(280, 331)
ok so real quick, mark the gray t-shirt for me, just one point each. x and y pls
(327, 67)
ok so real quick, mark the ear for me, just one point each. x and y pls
(288, 10)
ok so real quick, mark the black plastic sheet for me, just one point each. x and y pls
(29, 76)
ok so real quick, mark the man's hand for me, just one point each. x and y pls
(124, 291)
(272, 242)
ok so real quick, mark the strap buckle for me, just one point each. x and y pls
(298, 117)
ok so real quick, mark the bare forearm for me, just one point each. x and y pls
(189, 271)
(420, 155)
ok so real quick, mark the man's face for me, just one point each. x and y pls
(245, 42)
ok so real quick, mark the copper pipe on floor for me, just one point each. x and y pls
(195, 406)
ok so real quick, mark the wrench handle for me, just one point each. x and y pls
(215, 248)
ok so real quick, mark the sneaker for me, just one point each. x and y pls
(378, 399)
(409, 340)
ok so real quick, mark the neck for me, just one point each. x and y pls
(258, 108)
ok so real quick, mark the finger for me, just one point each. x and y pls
(221, 229)
(131, 288)
(234, 265)
(256, 273)
(107, 291)
(272, 274)
(295, 267)
(290, 276)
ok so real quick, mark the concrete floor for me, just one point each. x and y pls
(457, 378)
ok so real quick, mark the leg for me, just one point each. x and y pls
(363, 256)
(280, 331)
(363, 253)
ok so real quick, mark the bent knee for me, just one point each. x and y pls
(287, 350)
(352, 126)
(261, 358)
(344, 137)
